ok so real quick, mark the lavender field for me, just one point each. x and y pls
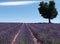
(29, 33)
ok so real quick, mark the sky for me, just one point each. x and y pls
(24, 11)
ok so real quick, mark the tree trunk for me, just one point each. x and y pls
(49, 20)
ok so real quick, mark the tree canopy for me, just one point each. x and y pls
(48, 11)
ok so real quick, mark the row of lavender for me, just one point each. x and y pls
(49, 33)
(8, 31)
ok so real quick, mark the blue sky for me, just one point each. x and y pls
(27, 13)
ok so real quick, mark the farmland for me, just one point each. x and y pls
(29, 33)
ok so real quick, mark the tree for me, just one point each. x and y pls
(48, 11)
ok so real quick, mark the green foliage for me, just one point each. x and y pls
(1, 42)
(24, 42)
(54, 41)
(43, 35)
(48, 11)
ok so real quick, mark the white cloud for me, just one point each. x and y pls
(17, 3)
